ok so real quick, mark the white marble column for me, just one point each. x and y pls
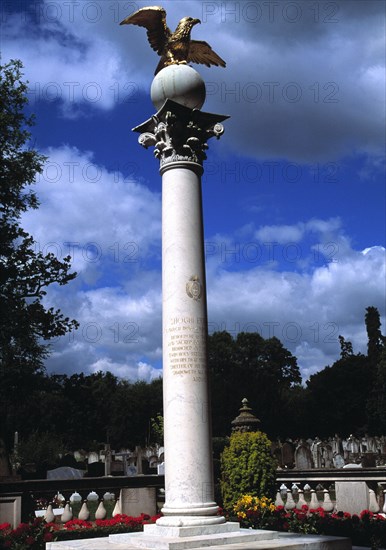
(188, 447)
(179, 134)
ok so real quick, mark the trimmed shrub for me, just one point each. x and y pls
(247, 467)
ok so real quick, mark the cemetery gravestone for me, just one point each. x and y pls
(303, 457)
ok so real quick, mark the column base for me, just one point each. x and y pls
(186, 517)
(243, 539)
(157, 537)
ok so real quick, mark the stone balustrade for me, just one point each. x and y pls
(353, 490)
(20, 500)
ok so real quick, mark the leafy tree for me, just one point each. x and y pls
(377, 400)
(25, 273)
(157, 430)
(250, 366)
(346, 349)
(376, 404)
(337, 397)
(375, 339)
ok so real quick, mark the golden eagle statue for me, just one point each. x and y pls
(174, 47)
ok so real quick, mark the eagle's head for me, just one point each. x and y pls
(185, 26)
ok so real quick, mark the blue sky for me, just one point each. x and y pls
(294, 191)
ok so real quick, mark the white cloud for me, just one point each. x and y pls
(281, 234)
(114, 225)
(306, 309)
(296, 80)
(93, 214)
(139, 371)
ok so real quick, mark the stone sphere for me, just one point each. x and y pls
(180, 83)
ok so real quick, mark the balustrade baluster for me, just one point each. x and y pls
(290, 503)
(49, 516)
(101, 511)
(84, 512)
(327, 505)
(117, 508)
(314, 503)
(373, 503)
(301, 502)
(67, 514)
(279, 501)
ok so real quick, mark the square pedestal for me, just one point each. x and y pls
(159, 537)
(289, 541)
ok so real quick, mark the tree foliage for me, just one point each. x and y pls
(337, 397)
(90, 410)
(25, 273)
(375, 341)
(250, 366)
(349, 396)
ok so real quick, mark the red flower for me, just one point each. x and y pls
(5, 526)
(30, 540)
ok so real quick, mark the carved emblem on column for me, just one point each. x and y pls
(194, 288)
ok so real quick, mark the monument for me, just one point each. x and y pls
(179, 132)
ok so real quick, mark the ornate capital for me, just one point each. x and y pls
(180, 134)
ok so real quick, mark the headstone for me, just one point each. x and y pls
(276, 452)
(65, 472)
(95, 469)
(369, 460)
(131, 471)
(338, 461)
(303, 457)
(287, 453)
(327, 456)
(337, 445)
(116, 467)
(316, 452)
(93, 457)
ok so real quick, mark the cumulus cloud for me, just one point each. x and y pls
(93, 214)
(111, 227)
(303, 283)
(306, 301)
(298, 87)
(295, 79)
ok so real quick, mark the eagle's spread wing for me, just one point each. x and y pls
(153, 18)
(201, 52)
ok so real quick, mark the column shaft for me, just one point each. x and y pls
(187, 425)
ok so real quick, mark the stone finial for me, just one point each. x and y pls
(246, 421)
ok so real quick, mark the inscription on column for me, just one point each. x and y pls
(186, 347)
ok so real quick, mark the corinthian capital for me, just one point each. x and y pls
(180, 134)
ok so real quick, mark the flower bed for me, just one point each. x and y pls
(367, 529)
(34, 535)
